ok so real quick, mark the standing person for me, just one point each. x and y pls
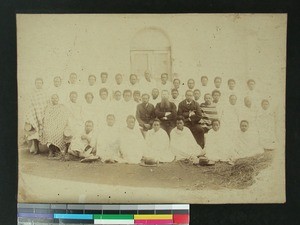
(58, 89)
(55, 122)
(183, 144)
(158, 142)
(83, 146)
(177, 85)
(249, 113)
(108, 141)
(175, 98)
(209, 112)
(147, 83)
(103, 107)
(137, 97)
(155, 96)
(252, 93)
(73, 85)
(216, 96)
(105, 83)
(266, 126)
(92, 86)
(89, 108)
(38, 101)
(118, 84)
(145, 114)
(190, 85)
(217, 83)
(165, 111)
(191, 112)
(133, 83)
(204, 87)
(197, 95)
(164, 84)
(127, 107)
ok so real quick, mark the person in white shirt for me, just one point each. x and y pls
(248, 112)
(216, 95)
(204, 87)
(91, 86)
(73, 85)
(137, 97)
(108, 141)
(231, 90)
(190, 84)
(183, 143)
(105, 83)
(118, 84)
(175, 98)
(247, 142)
(178, 86)
(133, 83)
(253, 94)
(154, 99)
(127, 107)
(218, 83)
(146, 83)
(164, 84)
(104, 107)
(89, 108)
(59, 89)
(84, 145)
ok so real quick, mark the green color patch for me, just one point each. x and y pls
(113, 216)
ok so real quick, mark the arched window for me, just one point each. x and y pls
(150, 49)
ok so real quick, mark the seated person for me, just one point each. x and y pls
(218, 146)
(145, 113)
(84, 145)
(183, 144)
(209, 112)
(247, 142)
(108, 141)
(165, 111)
(191, 112)
(266, 126)
(132, 143)
(158, 142)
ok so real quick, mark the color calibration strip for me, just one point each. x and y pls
(29, 214)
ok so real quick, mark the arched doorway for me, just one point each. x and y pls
(150, 49)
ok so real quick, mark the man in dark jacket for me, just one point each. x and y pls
(165, 111)
(145, 113)
(191, 112)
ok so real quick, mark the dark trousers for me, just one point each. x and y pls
(167, 126)
(198, 133)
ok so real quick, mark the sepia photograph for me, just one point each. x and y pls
(151, 108)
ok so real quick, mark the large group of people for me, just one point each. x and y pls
(147, 121)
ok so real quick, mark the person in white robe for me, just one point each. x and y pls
(89, 108)
(76, 121)
(155, 97)
(197, 95)
(147, 83)
(183, 143)
(175, 98)
(133, 84)
(158, 142)
(266, 126)
(106, 83)
(73, 85)
(92, 85)
(230, 117)
(177, 85)
(103, 107)
(118, 85)
(59, 89)
(248, 112)
(84, 145)
(164, 83)
(204, 87)
(247, 141)
(132, 143)
(218, 84)
(128, 107)
(108, 141)
(253, 94)
(218, 145)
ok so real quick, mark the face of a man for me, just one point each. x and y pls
(231, 85)
(197, 95)
(191, 84)
(174, 94)
(232, 99)
(155, 93)
(73, 78)
(164, 78)
(216, 126)
(251, 85)
(103, 95)
(179, 124)
(127, 96)
(247, 102)
(189, 96)
(136, 97)
(54, 99)
(145, 99)
(38, 84)
(204, 81)
(218, 83)
(89, 127)
(110, 120)
(176, 84)
(119, 79)
(92, 80)
(117, 96)
(156, 126)
(73, 97)
(265, 105)
(208, 99)
(130, 123)
(216, 97)
(133, 80)
(164, 95)
(89, 98)
(104, 78)
(147, 75)
(244, 126)
(57, 82)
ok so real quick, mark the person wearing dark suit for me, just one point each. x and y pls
(191, 112)
(165, 111)
(145, 113)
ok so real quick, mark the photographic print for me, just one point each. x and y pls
(151, 108)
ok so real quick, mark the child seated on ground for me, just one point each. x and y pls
(247, 143)
(83, 146)
(218, 146)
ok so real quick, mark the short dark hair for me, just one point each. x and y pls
(57, 77)
(130, 117)
(112, 115)
(103, 90)
(89, 121)
(204, 77)
(197, 90)
(127, 91)
(88, 93)
(230, 81)
(265, 100)
(176, 79)
(215, 120)
(39, 78)
(217, 78)
(145, 94)
(215, 91)
(131, 75)
(244, 121)
(174, 89)
(156, 120)
(250, 80)
(104, 73)
(136, 92)
(73, 92)
(164, 74)
(92, 75)
(180, 118)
